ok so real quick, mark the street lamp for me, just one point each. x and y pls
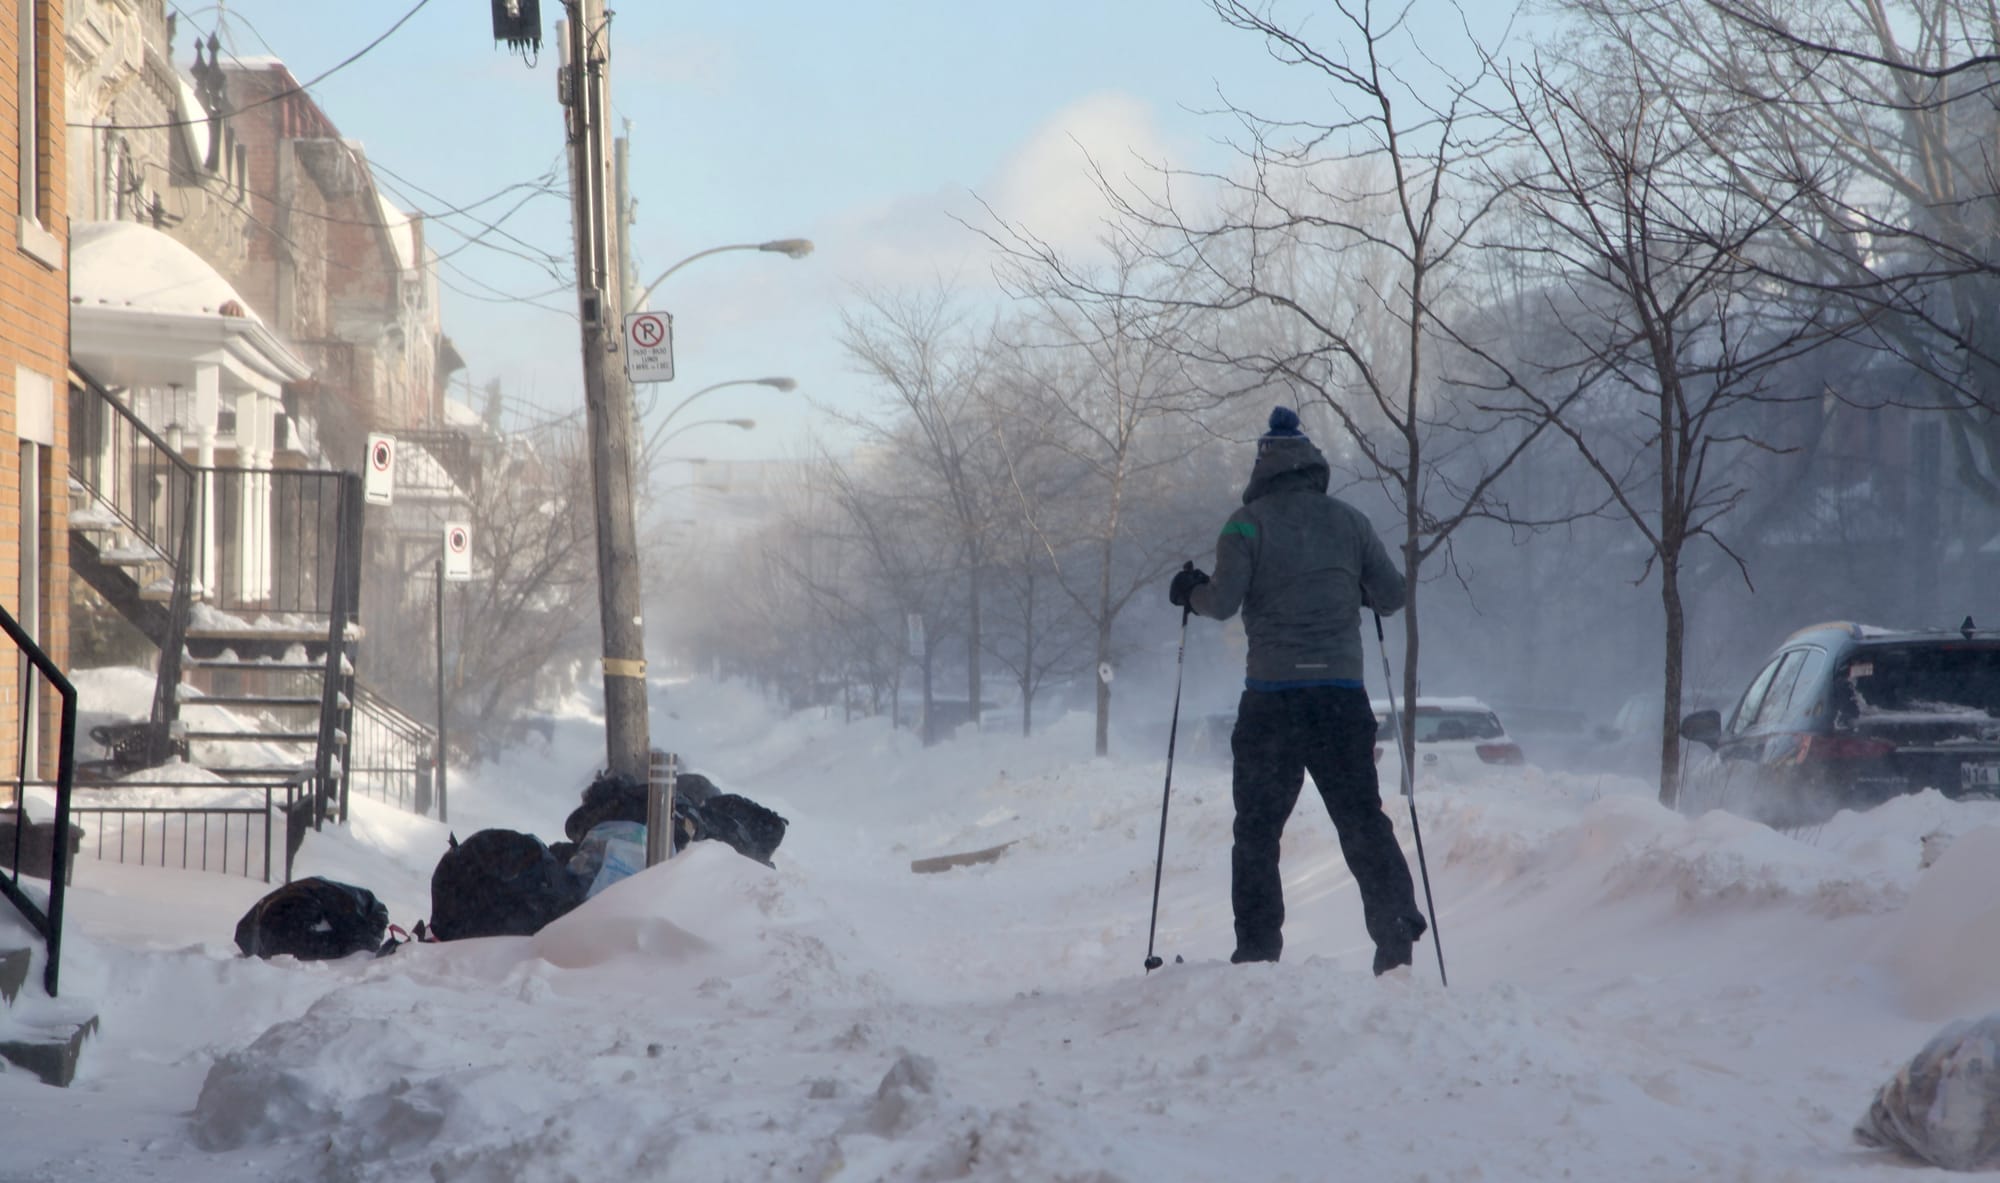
(658, 439)
(791, 248)
(784, 384)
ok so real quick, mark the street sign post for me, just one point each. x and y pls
(649, 347)
(378, 483)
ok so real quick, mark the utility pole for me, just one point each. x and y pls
(584, 84)
(628, 292)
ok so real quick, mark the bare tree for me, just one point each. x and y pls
(1668, 341)
(1327, 269)
(916, 346)
(1867, 128)
(1097, 382)
(535, 589)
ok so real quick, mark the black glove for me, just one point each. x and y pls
(1185, 581)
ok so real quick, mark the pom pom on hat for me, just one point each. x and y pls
(1284, 424)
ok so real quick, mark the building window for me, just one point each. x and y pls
(34, 236)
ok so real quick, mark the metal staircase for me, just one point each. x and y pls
(248, 581)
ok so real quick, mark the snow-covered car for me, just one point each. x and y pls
(1845, 716)
(1457, 739)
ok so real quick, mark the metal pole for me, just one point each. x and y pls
(443, 751)
(1167, 790)
(1410, 795)
(607, 393)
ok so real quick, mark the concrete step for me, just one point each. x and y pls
(251, 700)
(41, 1034)
(48, 1047)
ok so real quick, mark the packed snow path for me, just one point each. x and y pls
(1634, 995)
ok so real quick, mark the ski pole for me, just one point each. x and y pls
(1166, 793)
(1410, 795)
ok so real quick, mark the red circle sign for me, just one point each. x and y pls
(648, 331)
(458, 540)
(379, 455)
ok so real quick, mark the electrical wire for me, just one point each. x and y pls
(299, 88)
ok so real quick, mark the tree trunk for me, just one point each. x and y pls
(1027, 707)
(1670, 727)
(1104, 653)
(972, 646)
(930, 729)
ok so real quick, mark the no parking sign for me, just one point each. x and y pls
(457, 552)
(378, 482)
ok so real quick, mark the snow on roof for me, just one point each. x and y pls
(459, 414)
(125, 264)
(401, 235)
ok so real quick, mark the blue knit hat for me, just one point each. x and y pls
(1284, 424)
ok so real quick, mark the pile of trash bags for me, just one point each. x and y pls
(508, 883)
(1943, 1107)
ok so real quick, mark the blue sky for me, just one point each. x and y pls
(863, 126)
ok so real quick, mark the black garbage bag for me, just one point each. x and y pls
(700, 811)
(499, 883)
(313, 919)
(749, 827)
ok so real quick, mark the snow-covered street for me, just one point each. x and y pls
(1633, 995)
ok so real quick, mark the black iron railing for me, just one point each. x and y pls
(393, 755)
(46, 920)
(235, 830)
(153, 498)
(279, 539)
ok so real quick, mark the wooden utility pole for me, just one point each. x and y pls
(584, 43)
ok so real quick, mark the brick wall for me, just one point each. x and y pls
(34, 336)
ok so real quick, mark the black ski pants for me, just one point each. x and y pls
(1280, 736)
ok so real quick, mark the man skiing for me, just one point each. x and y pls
(1301, 565)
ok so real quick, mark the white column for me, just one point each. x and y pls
(207, 407)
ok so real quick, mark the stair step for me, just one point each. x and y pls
(129, 558)
(263, 736)
(265, 771)
(52, 1051)
(217, 663)
(250, 700)
(274, 635)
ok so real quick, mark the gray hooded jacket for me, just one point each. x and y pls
(1300, 564)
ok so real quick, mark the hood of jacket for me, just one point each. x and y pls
(1287, 465)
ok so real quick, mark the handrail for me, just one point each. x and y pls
(47, 923)
(79, 465)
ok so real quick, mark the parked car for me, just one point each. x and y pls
(1457, 738)
(1846, 717)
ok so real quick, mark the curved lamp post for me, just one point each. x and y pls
(784, 384)
(791, 248)
(659, 440)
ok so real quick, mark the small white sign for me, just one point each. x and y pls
(457, 552)
(378, 482)
(649, 347)
(916, 624)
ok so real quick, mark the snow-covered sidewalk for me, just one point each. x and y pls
(1634, 995)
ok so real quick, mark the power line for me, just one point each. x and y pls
(414, 187)
(300, 88)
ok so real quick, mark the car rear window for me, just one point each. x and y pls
(1927, 678)
(1433, 726)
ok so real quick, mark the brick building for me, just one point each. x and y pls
(34, 552)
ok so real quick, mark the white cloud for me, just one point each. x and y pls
(1048, 185)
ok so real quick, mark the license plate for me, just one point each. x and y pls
(1984, 777)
